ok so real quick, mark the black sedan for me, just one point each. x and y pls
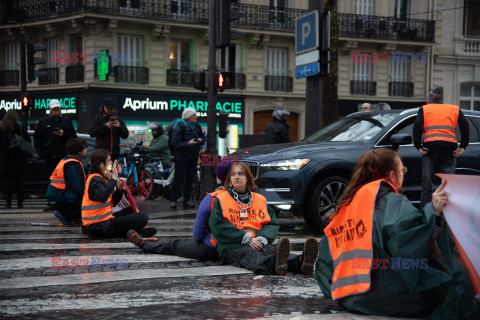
(309, 177)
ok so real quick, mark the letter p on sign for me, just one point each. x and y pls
(306, 28)
(306, 32)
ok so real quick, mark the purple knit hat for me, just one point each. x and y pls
(222, 169)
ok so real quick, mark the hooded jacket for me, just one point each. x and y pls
(277, 132)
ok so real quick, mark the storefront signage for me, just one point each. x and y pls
(68, 104)
(10, 105)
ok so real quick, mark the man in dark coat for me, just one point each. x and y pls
(277, 131)
(187, 140)
(108, 128)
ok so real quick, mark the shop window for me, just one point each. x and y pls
(470, 96)
(471, 27)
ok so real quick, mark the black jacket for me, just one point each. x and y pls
(100, 190)
(277, 132)
(11, 161)
(47, 143)
(181, 134)
(441, 146)
(108, 138)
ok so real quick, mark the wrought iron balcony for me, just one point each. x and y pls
(278, 83)
(51, 77)
(9, 78)
(75, 73)
(400, 89)
(190, 11)
(386, 28)
(131, 74)
(364, 88)
(179, 78)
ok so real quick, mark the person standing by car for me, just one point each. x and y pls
(438, 121)
(67, 182)
(277, 131)
(51, 135)
(187, 139)
(108, 128)
(366, 107)
(159, 145)
(12, 164)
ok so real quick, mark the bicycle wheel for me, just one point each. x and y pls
(142, 189)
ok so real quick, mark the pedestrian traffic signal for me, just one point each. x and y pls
(27, 103)
(222, 124)
(225, 80)
(199, 80)
(32, 61)
(224, 17)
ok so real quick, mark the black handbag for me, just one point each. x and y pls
(20, 146)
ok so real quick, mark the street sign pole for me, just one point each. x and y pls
(313, 99)
(23, 66)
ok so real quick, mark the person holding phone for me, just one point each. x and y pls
(108, 128)
(187, 140)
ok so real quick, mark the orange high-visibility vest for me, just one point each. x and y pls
(95, 211)
(257, 214)
(350, 240)
(57, 178)
(440, 122)
(214, 195)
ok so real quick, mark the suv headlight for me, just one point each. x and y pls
(291, 164)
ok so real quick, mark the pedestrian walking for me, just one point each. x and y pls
(202, 246)
(438, 122)
(107, 128)
(67, 184)
(187, 140)
(12, 163)
(382, 256)
(103, 190)
(244, 228)
(366, 107)
(158, 148)
(277, 131)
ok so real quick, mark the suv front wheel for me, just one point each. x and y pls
(325, 197)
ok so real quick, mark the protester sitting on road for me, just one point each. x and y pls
(202, 246)
(382, 256)
(159, 145)
(67, 182)
(104, 190)
(245, 228)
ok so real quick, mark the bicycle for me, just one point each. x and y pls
(131, 165)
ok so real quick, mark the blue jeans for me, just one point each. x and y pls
(184, 171)
(431, 164)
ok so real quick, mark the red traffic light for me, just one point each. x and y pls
(25, 101)
(220, 81)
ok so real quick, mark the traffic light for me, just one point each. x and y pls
(224, 17)
(325, 52)
(225, 80)
(199, 79)
(27, 103)
(222, 124)
(32, 61)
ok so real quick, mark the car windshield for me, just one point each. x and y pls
(358, 128)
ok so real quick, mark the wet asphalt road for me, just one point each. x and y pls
(112, 279)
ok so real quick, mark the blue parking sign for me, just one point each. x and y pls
(306, 32)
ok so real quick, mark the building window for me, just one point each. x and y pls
(470, 17)
(470, 96)
(76, 49)
(231, 61)
(399, 71)
(277, 62)
(278, 13)
(182, 9)
(11, 56)
(364, 7)
(362, 71)
(362, 83)
(402, 9)
(180, 55)
(130, 48)
(52, 48)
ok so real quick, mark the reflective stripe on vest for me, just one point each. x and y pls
(95, 211)
(350, 241)
(214, 194)
(257, 214)
(440, 122)
(57, 179)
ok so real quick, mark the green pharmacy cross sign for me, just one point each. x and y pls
(103, 65)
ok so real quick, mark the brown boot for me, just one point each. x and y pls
(309, 256)
(281, 255)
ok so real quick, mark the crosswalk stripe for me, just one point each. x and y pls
(40, 236)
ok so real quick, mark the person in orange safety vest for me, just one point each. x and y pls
(438, 122)
(103, 191)
(382, 256)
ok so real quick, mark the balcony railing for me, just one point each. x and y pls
(364, 88)
(400, 89)
(278, 83)
(191, 11)
(9, 78)
(131, 74)
(50, 78)
(75, 73)
(467, 46)
(386, 28)
(179, 78)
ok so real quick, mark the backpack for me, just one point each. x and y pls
(169, 133)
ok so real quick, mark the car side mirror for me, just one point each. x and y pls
(400, 139)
